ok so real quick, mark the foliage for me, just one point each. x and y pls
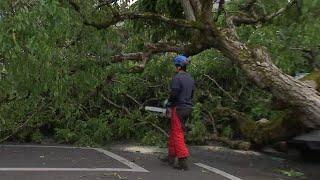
(153, 138)
(227, 132)
(198, 131)
(48, 56)
(292, 173)
(288, 36)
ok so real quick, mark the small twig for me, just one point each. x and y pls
(215, 131)
(240, 91)
(141, 122)
(115, 105)
(224, 91)
(156, 126)
(147, 83)
(254, 18)
(134, 100)
(116, 81)
(281, 10)
(155, 86)
(148, 100)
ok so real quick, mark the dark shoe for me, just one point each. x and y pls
(182, 164)
(168, 159)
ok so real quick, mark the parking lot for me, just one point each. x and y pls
(37, 162)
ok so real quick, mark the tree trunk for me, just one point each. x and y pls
(261, 134)
(188, 10)
(196, 4)
(257, 64)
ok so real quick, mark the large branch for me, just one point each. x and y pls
(120, 17)
(206, 11)
(188, 9)
(280, 11)
(244, 19)
(147, 16)
(196, 4)
(151, 49)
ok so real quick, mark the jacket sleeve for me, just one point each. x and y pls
(193, 89)
(192, 93)
(175, 91)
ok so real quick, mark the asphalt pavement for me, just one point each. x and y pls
(60, 162)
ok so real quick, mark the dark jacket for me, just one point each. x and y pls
(182, 89)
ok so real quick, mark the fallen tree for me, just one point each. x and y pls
(86, 49)
(254, 61)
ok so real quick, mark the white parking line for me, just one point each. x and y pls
(121, 159)
(217, 171)
(133, 167)
(72, 169)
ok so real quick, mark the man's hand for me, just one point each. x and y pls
(167, 103)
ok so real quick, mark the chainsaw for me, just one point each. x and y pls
(164, 112)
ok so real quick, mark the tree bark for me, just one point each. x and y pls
(257, 64)
(188, 10)
(261, 134)
(196, 4)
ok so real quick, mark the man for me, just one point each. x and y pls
(180, 102)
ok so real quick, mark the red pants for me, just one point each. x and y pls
(177, 146)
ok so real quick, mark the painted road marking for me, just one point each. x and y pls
(133, 167)
(72, 169)
(217, 171)
(121, 159)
